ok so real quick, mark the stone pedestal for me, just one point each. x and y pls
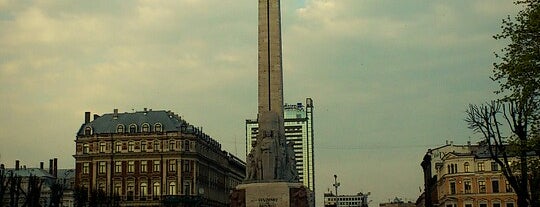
(274, 194)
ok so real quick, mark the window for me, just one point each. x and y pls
(88, 131)
(120, 128)
(186, 145)
(145, 127)
(143, 190)
(468, 205)
(481, 186)
(483, 205)
(86, 148)
(156, 166)
(186, 166)
(144, 166)
(480, 166)
(131, 167)
(131, 146)
(172, 188)
(86, 168)
(156, 146)
(117, 189)
(118, 147)
(495, 186)
(494, 166)
(130, 191)
(158, 128)
(467, 186)
(466, 167)
(509, 188)
(102, 167)
(143, 146)
(171, 145)
(156, 189)
(172, 165)
(101, 187)
(102, 146)
(453, 187)
(187, 188)
(132, 128)
(118, 166)
(508, 204)
(496, 204)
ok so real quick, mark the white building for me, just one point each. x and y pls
(358, 200)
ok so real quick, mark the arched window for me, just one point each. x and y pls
(158, 127)
(132, 128)
(466, 167)
(101, 187)
(88, 130)
(131, 146)
(156, 189)
(118, 189)
(145, 127)
(130, 191)
(143, 190)
(120, 128)
(172, 188)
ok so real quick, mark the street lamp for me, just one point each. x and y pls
(336, 184)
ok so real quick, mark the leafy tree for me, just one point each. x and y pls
(518, 74)
(518, 71)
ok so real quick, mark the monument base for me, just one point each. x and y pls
(275, 194)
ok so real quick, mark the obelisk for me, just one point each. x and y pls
(270, 158)
(271, 177)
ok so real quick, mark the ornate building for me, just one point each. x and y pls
(465, 176)
(150, 158)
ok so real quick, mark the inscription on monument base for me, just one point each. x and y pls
(277, 194)
(268, 202)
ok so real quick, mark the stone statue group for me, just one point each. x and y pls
(271, 157)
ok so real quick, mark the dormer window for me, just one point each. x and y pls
(158, 127)
(120, 128)
(88, 130)
(132, 128)
(145, 127)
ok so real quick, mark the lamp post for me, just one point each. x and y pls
(336, 184)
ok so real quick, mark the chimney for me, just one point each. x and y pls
(145, 109)
(115, 114)
(2, 166)
(41, 165)
(55, 172)
(50, 166)
(87, 117)
(17, 162)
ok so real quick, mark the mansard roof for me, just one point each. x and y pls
(108, 123)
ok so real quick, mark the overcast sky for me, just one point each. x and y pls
(389, 78)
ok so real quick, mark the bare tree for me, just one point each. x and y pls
(512, 141)
(4, 183)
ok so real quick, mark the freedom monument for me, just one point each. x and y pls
(272, 179)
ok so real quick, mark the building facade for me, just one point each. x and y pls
(22, 186)
(466, 176)
(358, 200)
(154, 158)
(298, 120)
